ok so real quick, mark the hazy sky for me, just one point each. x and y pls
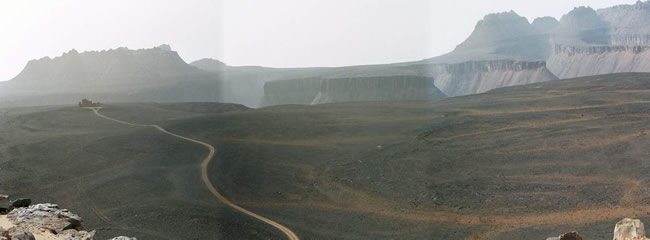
(276, 33)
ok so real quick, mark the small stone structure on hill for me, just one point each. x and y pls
(87, 103)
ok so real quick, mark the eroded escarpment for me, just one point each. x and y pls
(579, 61)
(351, 89)
(481, 76)
(390, 88)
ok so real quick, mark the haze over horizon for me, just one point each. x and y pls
(286, 33)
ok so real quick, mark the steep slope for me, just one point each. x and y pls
(503, 50)
(481, 76)
(568, 62)
(450, 79)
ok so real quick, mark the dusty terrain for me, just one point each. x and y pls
(530, 161)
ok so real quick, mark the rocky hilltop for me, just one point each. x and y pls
(581, 26)
(505, 34)
(20, 220)
(119, 67)
(117, 75)
(210, 65)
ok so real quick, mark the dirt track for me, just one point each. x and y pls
(204, 175)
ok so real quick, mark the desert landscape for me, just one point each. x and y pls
(523, 130)
(519, 162)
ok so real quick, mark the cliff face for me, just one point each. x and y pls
(629, 25)
(294, 91)
(388, 88)
(570, 62)
(610, 40)
(350, 89)
(584, 42)
(481, 76)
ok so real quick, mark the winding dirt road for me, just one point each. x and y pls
(204, 175)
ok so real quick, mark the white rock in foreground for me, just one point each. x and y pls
(629, 229)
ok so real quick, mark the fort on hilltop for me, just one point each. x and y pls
(88, 103)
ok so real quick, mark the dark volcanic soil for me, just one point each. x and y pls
(524, 162)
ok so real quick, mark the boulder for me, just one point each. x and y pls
(21, 202)
(48, 216)
(77, 235)
(571, 236)
(5, 205)
(567, 236)
(4, 233)
(629, 229)
(123, 238)
(22, 236)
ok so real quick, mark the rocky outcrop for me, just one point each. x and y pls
(388, 88)
(123, 238)
(46, 216)
(572, 61)
(41, 221)
(481, 76)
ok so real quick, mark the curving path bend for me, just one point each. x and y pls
(204, 175)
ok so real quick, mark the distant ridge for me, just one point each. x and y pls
(156, 74)
(209, 64)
